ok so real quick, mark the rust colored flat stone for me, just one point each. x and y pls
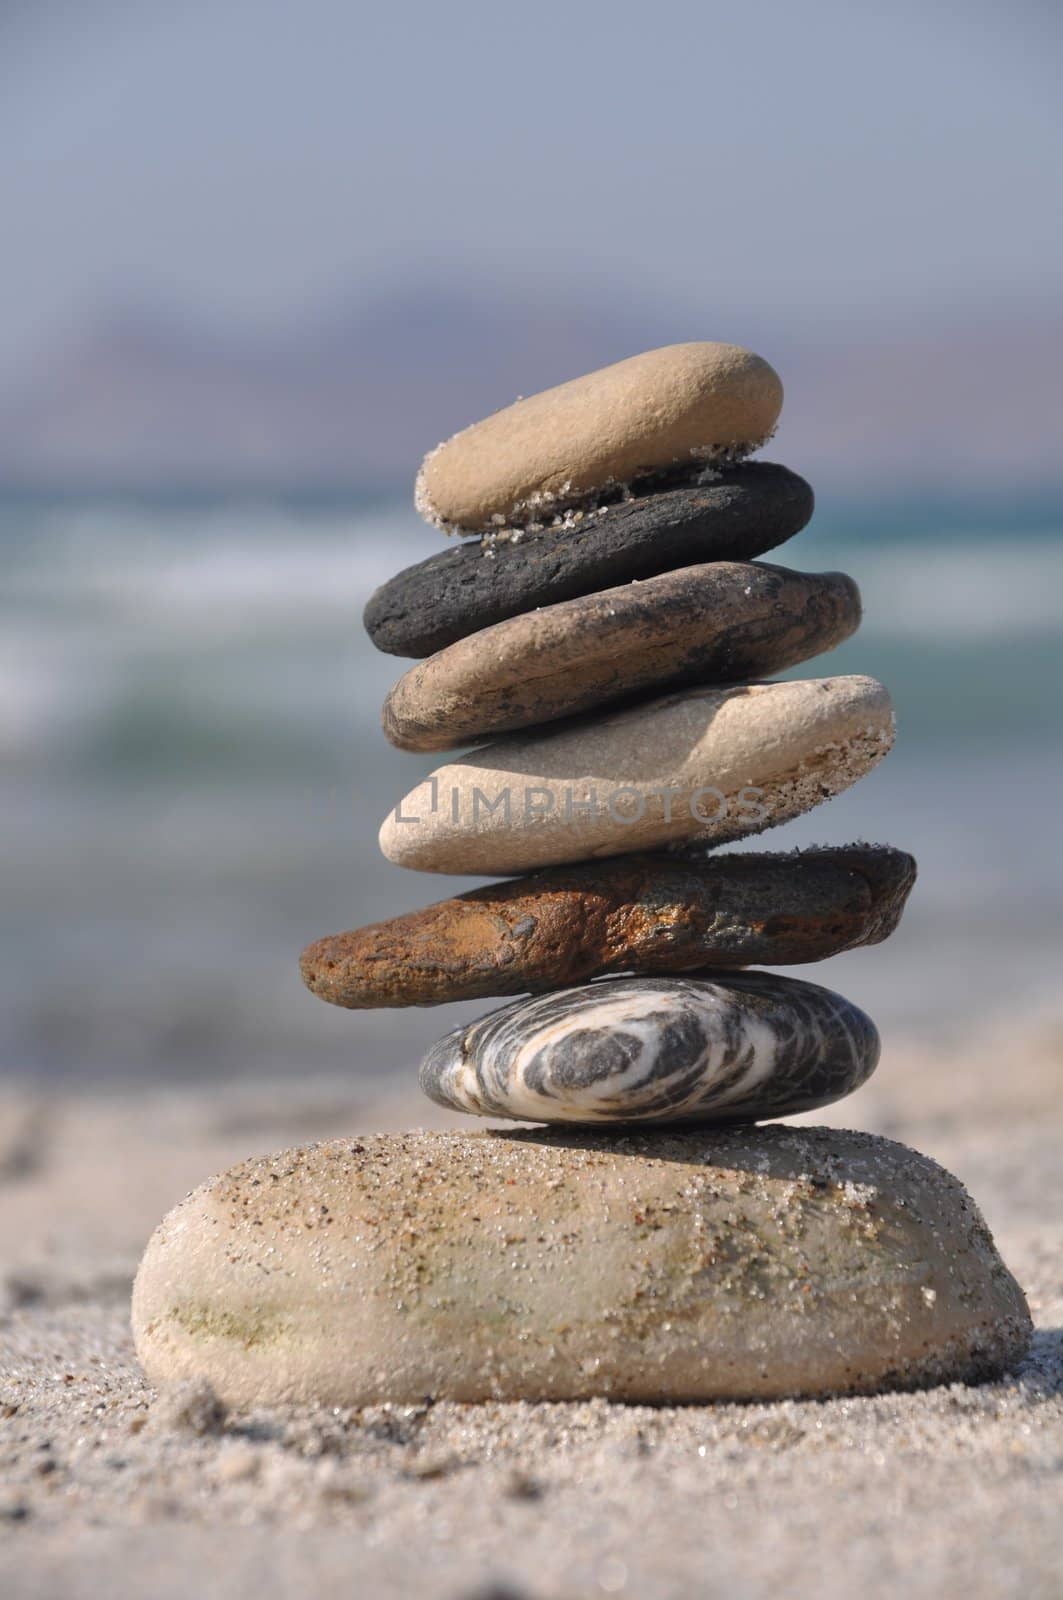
(639, 913)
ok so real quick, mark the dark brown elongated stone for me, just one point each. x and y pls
(720, 622)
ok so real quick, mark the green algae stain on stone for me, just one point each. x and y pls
(251, 1327)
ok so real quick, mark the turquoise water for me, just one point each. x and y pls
(194, 774)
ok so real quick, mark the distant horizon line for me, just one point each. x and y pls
(983, 506)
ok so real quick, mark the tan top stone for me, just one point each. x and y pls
(683, 403)
(704, 764)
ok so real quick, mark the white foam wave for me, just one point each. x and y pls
(214, 573)
(221, 573)
(962, 591)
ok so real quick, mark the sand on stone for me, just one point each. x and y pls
(684, 402)
(720, 1264)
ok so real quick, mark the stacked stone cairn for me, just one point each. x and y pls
(605, 635)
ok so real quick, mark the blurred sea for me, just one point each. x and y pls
(194, 776)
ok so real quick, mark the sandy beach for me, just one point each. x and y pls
(107, 1488)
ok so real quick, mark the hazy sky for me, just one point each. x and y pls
(250, 158)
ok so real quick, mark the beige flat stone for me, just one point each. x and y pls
(683, 404)
(711, 1265)
(704, 764)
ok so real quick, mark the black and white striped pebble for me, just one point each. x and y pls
(719, 1048)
